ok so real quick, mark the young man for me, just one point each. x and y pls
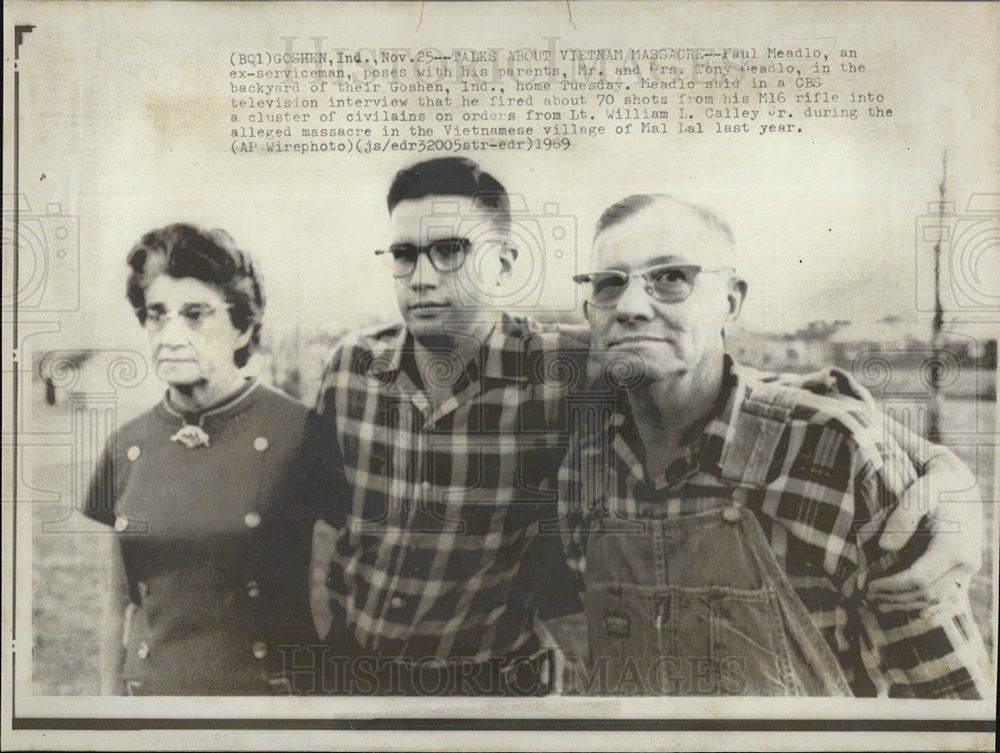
(453, 424)
(452, 436)
(723, 526)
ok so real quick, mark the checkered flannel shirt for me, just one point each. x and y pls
(439, 552)
(830, 487)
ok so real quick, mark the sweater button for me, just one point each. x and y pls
(253, 589)
(142, 651)
(260, 444)
(259, 650)
(397, 602)
(121, 523)
(252, 519)
(134, 452)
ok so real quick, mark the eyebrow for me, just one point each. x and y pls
(668, 260)
(436, 240)
(186, 304)
(410, 244)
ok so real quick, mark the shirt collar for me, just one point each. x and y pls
(726, 407)
(389, 351)
(229, 406)
(500, 357)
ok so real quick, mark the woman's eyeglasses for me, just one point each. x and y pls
(193, 314)
(446, 255)
(666, 283)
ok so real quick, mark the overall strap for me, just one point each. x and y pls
(753, 437)
(751, 446)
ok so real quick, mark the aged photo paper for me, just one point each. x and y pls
(285, 440)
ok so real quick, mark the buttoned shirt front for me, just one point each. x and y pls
(439, 553)
(214, 520)
(827, 490)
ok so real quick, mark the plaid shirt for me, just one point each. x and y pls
(439, 553)
(830, 486)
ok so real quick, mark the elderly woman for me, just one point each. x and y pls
(213, 492)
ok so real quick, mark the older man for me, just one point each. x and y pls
(723, 525)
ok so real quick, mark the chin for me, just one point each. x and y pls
(179, 375)
(661, 373)
(446, 323)
(633, 368)
(422, 327)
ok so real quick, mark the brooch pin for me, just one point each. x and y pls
(191, 436)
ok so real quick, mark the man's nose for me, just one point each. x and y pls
(424, 274)
(635, 303)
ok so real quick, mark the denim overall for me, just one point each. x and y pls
(698, 605)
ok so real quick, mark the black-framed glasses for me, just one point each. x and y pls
(193, 314)
(666, 283)
(446, 255)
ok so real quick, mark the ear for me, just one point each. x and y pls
(508, 255)
(736, 295)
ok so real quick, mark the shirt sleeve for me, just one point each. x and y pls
(101, 497)
(828, 382)
(904, 654)
(574, 520)
(326, 490)
(836, 383)
(336, 508)
(325, 405)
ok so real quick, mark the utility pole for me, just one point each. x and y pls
(937, 337)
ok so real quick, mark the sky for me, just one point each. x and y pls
(125, 128)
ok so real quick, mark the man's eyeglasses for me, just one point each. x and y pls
(666, 283)
(446, 255)
(193, 314)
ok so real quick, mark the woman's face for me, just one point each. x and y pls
(191, 337)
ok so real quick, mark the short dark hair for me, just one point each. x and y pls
(212, 256)
(631, 205)
(451, 176)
